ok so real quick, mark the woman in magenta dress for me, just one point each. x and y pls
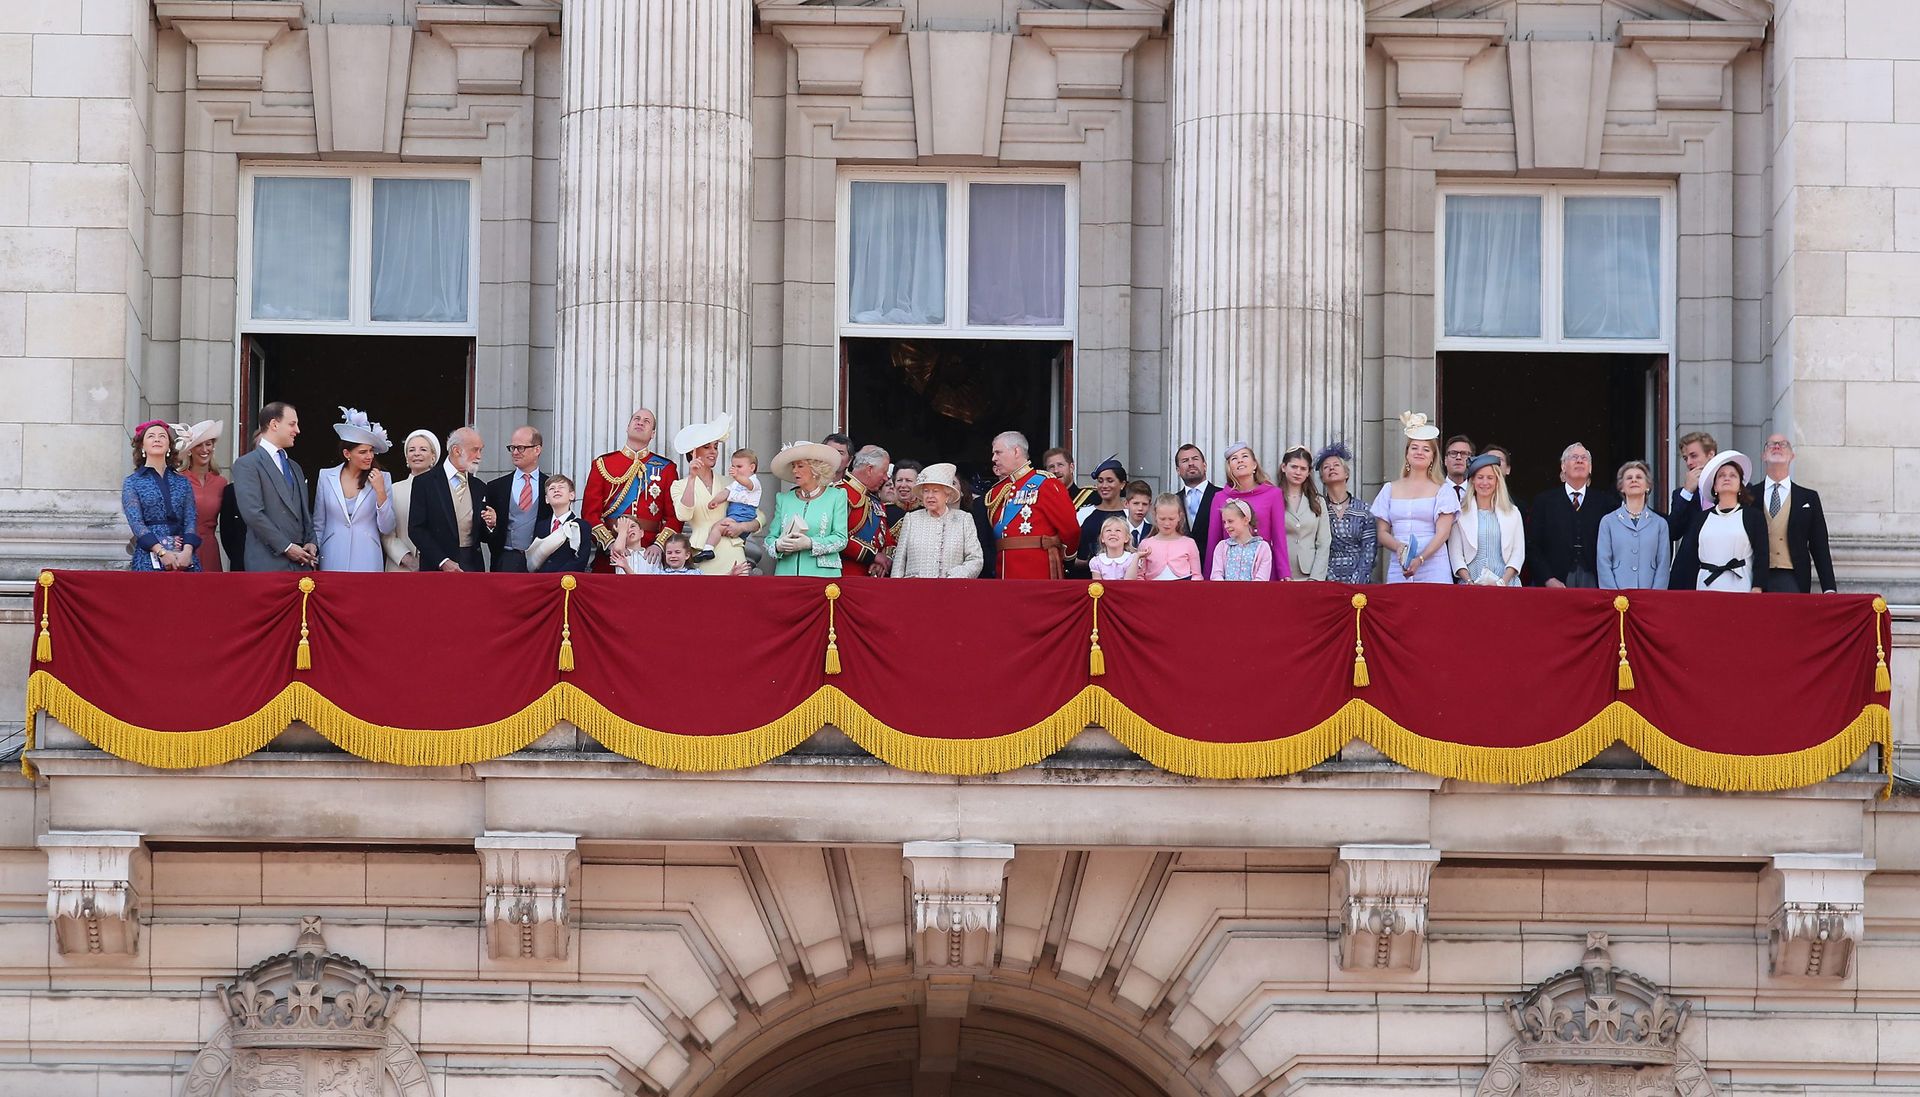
(196, 450)
(1246, 481)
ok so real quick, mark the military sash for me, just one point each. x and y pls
(1019, 497)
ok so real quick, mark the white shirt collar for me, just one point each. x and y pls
(1785, 482)
(272, 450)
(1584, 491)
(451, 472)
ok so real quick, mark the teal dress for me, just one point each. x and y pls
(826, 518)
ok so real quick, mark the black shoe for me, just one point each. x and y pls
(701, 557)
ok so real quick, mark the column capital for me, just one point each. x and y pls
(93, 890)
(1819, 904)
(524, 879)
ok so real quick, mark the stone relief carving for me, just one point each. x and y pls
(1596, 1031)
(524, 877)
(308, 1023)
(1819, 913)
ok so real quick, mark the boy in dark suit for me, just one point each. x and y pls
(564, 545)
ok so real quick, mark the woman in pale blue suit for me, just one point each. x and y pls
(353, 502)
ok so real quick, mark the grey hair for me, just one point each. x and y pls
(1621, 476)
(869, 457)
(1568, 452)
(462, 437)
(1015, 439)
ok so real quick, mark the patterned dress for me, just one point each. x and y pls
(1355, 541)
(160, 512)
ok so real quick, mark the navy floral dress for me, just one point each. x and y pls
(160, 513)
(1355, 539)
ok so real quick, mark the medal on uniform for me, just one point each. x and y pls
(1025, 525)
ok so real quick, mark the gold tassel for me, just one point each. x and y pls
(1882, 678)
(43, 645)
(1626, 672)
(833, 637)
(567, 583)
(303, 653)
(1096, 659)
(1361, 680)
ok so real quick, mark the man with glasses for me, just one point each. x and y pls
(521, 497)
(1459, 450)
(1796, 526)
(1563, 545)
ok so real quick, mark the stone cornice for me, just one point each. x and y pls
(1431, 55)
(230, 37)
(1690, 58)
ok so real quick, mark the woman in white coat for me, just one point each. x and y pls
(1488, 544)
(353, 502)
(422, 452)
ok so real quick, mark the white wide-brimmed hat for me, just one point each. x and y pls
(1712, 469)
(942, 475)
(433, 442)
(356, 430)
(693, 436)
(199, 432)
(782, 464)
(1415, 426)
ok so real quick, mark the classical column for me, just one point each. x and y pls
(656, 146)
(1267, 112)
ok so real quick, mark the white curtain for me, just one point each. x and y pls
(1493, 266)
(1612, 268)
(897, 266)
(1017, 254)
(301, 230)
(420, 232)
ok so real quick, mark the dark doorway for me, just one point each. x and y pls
(1537, 404)
(403, 382)
(945, 399)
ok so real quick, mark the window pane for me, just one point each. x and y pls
(420, 230)
(897, 269)
(300, 248)
(1493, 266)
(1613, 268)
(1017, 254)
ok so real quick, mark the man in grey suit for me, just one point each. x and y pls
(272, 496)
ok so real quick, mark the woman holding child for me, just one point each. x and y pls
(715, 527)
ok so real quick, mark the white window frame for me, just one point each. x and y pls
(1552, 275)
(958, 207)
(359, 319)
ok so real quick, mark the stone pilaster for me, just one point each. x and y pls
(1266, 290)
(654, 205)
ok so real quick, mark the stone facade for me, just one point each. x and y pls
(1084, 927)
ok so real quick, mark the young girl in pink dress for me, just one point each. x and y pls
(1169, 554)
(1115, 560)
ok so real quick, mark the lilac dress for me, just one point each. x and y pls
(1413, 522)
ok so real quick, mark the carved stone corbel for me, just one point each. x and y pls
(230, 40)
(830, 43)
(1430, 56)
(524, 880)
(1819, 913)
(957, 889)
(1384, 906)
(490, 42)
(93, 890)
(1090, 48)
(1690, 58)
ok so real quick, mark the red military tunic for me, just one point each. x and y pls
(1032, 517)
(637, 486)
(867, 532)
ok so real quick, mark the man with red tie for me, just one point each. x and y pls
(631, 482)
(867, 535)
(1029, 512)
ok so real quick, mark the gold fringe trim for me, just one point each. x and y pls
(1356, 720)
(43, 644)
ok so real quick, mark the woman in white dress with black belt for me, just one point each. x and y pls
(1724, 543)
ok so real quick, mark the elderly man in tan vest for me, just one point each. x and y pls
(1796, 526)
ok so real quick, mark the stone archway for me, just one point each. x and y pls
(894, 1037)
